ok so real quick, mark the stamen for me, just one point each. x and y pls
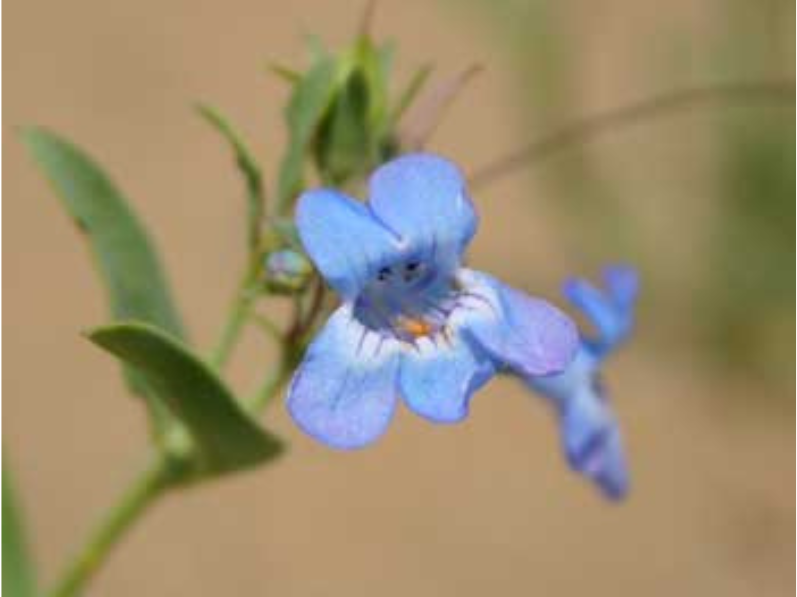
(417, 328)
(381, 318)
(446, 333)
(379, 346)
(402, 306)
(361, 341)
(479, 297)
(432, 306)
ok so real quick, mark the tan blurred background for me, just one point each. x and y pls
(487, 507)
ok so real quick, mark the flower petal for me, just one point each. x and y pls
(344, 392)
(438, 379)
(422, 198)
(346, 243)
(527, 334)
(592, 441)
(622, 282)
(590, 434)
(562, 386)
(610, 311)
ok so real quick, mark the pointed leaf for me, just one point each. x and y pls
(312, 97)
(248, 167)
(375, 63)
(18, 574)
(285, 73)
(225, 437)
(123, 252)
(343, 146)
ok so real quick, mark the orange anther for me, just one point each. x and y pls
(415, 327)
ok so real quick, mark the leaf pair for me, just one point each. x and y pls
(122, 252)
(182, 392)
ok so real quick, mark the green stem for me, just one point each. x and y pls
(269, 388)
(237, 318)
(150, 484)
(589, 127)
(269, 327)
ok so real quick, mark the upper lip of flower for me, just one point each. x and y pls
(412, 319)
(406, 219)
(404, 285)
(610, 309)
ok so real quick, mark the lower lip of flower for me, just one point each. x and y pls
(408, 316)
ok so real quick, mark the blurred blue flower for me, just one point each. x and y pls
(413, 322)
(589, 430)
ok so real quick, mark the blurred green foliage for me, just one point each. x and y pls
(18, 575)
(751, 287)
(750, 291)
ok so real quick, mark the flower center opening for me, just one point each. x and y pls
(407, 301)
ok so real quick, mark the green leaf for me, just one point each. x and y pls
(224, 435)
(249, 169)
(343, 146)
(18, 573)
(285, 73)
(123, 252)
(375, 63)
(312, 97)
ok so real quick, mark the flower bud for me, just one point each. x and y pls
(286, 271)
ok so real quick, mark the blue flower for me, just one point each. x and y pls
(589, 429)
(413, 322)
